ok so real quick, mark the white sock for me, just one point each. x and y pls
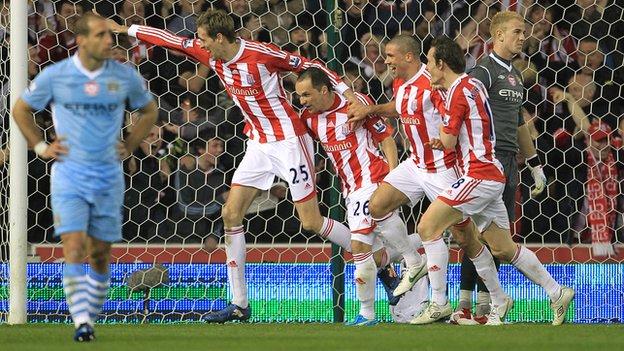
(437, 262)
(337, 233)
(97, 288)
(393, 229)
(76, 295)
(365, 279)
(235, 252)
(527, 263)
(416, 240)
(484, 264)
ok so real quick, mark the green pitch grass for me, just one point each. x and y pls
(318, 337)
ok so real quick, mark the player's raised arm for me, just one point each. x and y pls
(160, 37)
(291, 62)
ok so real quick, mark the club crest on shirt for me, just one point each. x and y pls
(112, 86)
(187, 43)
(512, 80)
(346, 129)
(248, 78)
(91, 88)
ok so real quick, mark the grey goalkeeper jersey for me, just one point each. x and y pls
(506, 92)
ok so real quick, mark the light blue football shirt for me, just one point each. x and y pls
(88, 106)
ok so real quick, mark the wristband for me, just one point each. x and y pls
(533, 161)
(41, 148)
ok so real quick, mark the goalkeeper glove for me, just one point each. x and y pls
(539, 178)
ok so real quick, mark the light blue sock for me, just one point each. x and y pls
(97, 288)
(75, 287)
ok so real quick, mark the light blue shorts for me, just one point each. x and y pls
(87, 200)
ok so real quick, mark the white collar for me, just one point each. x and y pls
(421, 70)
(500, 62)
(86, 72)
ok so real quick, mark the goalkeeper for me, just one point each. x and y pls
(506, 95)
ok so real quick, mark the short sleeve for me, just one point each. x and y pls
(482, 74)
(520, 118)
(453, 119)
(138, 95)
(378, 128)
(39, 93)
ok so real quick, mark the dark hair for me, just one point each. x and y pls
(217, 21)
(450, 52)
(318, 77)
(82, 24)
(406, 44)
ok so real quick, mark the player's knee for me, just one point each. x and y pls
(231, 217)
(99, 258)
(426, 230)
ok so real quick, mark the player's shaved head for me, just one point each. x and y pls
(406, 44)
(318, 78)
(82, 24)
(215, 22)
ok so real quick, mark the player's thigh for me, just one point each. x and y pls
(386, 199)
(105, 215)
(293, 161)
(438, 217)
(238, 201)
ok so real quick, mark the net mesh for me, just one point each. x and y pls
(172, 204)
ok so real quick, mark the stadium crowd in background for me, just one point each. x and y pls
(573, 46)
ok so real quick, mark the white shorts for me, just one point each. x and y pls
(416, 182)
(481, 200)
(291, 159)
(358, 216)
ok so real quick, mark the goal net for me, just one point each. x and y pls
(170, 265)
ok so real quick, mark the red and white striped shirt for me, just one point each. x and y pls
(469, 117)
(353, 153)
(419, 108)
(251, 79)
